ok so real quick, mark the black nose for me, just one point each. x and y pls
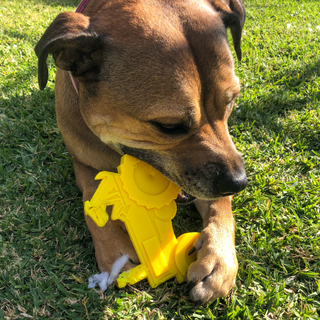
(232, 183)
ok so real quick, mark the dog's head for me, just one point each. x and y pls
(156, 80)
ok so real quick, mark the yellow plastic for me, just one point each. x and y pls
(144, 200)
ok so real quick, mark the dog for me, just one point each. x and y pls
(154, 79)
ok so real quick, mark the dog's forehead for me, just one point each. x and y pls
(138, 22)
(162, 22)
(176, 56)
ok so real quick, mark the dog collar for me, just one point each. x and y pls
(82, 5)
(80, 9)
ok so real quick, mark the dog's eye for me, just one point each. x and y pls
(171, 128)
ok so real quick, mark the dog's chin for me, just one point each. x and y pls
(184, 198)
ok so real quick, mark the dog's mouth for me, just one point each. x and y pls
(184, 197)
(148, 157)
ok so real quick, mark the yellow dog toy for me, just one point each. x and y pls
(144, 200)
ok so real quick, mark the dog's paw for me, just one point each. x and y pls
(111, 242)
(214, 272)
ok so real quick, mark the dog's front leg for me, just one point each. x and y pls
(214, 272)
(111, 241)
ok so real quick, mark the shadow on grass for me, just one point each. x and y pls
(63, 3)
(285, 83)
(15, 34)
(42, 224)
(291, 90)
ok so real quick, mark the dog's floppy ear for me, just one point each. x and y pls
(73, 46)
(233, 15)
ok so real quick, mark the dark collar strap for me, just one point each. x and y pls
(82, 5)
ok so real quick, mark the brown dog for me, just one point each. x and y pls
(155, 80)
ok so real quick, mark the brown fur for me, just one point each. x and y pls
(156, 80)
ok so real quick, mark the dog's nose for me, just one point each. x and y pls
(232, 183)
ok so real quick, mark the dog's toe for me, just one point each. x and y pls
(211, 288)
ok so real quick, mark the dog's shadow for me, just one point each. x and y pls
(63, 3)
(272, 106)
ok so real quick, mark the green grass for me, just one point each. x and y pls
(46, 253)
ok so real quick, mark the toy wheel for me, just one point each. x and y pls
(185, 243)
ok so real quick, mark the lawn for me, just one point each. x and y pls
(46, 252)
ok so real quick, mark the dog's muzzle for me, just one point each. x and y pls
(211, 182)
